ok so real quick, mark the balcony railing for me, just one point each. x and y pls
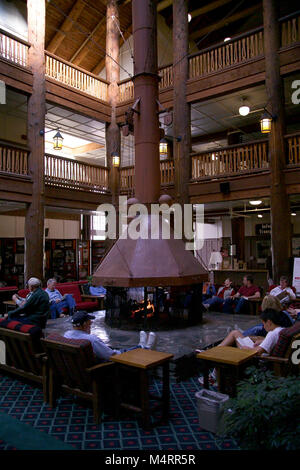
(13, 159)
(13, 48)
(235, 159)
(166, 175)
(70, 75)
(72, 174)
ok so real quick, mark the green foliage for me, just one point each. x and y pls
(266, 412)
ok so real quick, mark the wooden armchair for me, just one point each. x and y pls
(283, 366)
(24, 355)
(73, 369)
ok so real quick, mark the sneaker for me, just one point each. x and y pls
(143, 339)
(206, 306)
(151, 343)
(199, 351)
(211, 380)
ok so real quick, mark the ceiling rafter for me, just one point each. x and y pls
(82, 52)
(209, 7)
(66, 26)
(224, 22)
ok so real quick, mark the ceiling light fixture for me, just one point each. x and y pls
(244, 110)
(260, 216)
(255, 202)
(189, 17)
(293, 214)
(227, 39)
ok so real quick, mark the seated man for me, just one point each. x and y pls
(58, 302)
(223, 293)
(35, 310)
(282, 289)
(271, 323)
(82, 321)
(240, 301)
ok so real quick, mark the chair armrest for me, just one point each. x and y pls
(96, 297)
(279, 360)
(90, 370)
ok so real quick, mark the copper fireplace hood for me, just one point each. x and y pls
(147, 262)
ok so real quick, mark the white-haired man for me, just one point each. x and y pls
(35, 310)
(59, 302)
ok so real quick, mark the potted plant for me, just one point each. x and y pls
(266, 412)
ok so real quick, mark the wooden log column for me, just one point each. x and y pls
(182, 119)
(113, 77)
(34, 219)
(280, 206)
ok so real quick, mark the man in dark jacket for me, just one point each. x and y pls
(36, 308)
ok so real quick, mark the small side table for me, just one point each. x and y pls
(229, 362)
(144, 360)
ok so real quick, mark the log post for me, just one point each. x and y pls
(113, 77)
(280, 206)
(34, 219)
(182, 119)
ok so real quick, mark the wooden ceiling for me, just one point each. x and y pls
(76, 29)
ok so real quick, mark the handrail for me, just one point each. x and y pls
(15, 38)
(228, 147)
(13, 49)
(75, 77)
(77, 161)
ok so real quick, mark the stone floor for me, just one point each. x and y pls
(178, 341)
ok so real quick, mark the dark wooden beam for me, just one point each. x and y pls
(66, 26)
(209, 7)
(224, 22)
(34, 220)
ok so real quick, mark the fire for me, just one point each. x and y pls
(150, 310)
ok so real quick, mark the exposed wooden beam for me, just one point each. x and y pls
(81, 53)
(66, 26)
(164, 4)
(209, 7)
(224, 22)
(97, 69)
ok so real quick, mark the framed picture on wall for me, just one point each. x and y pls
(263, 249)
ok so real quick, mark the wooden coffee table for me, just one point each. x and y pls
(144, 360)
(229, 362)
(9, 305)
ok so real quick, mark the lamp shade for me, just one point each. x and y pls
(265, 123)
(163, 148)
(58, 141)
(215, 258)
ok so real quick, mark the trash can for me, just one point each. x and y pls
(210, 407)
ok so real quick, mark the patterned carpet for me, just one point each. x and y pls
(72, 423)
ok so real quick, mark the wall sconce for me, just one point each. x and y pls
(266, 122)
(57, 141)
(115, 159)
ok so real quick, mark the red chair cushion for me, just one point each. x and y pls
(71, 289)
(88, 305)
(23, 292)
(8, 288)
(284, 339)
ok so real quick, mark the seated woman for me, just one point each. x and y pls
(271, 302)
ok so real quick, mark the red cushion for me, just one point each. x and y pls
(89, 305)
(284, 339)
(71, 289)
(23, 292)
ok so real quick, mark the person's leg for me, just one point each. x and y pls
(70, 303)
(215, 300)
(53, 311)
(257, 330)
(228, 305)
(231, 338)
(241, 305)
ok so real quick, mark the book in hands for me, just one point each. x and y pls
(247, 341)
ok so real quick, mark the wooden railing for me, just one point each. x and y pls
(290, 31)
(72, 174)
(166, 75)
(13, 48)
(220, 56)
(67, 73)
(126, 90)
(166, 175)
(293, 141)
(13, 159)
(236, 159)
